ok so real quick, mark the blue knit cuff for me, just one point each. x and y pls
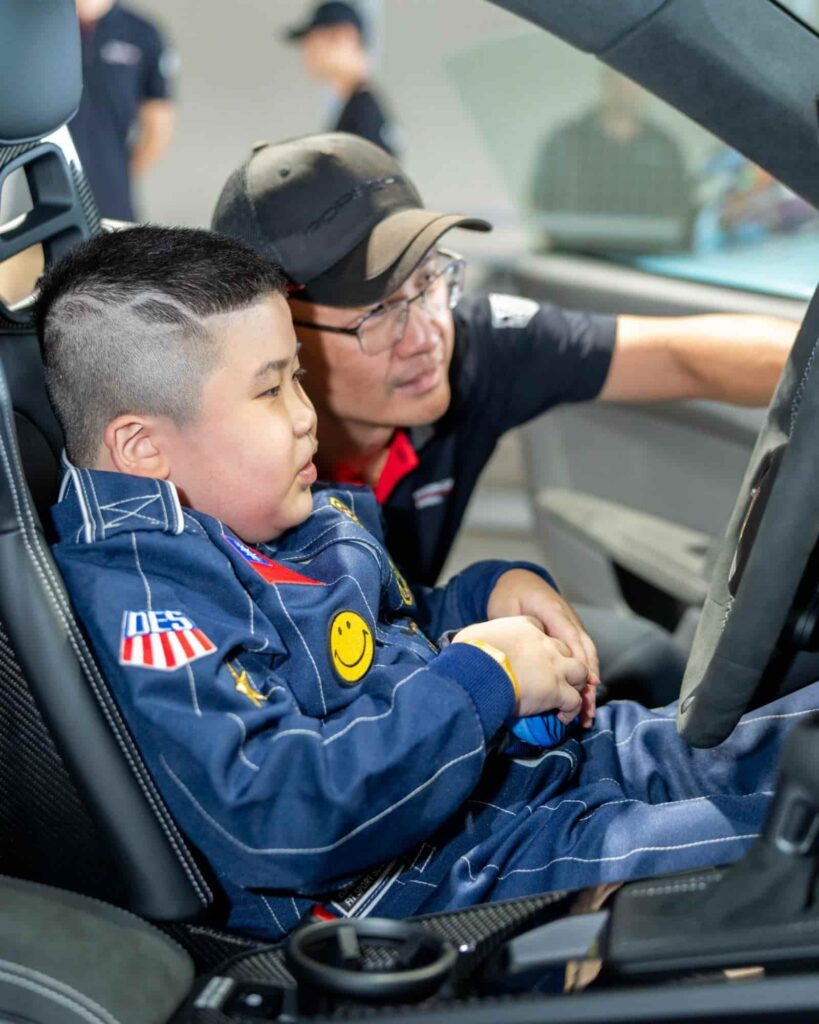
(484, 680)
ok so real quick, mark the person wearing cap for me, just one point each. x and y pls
(333, 45)
(412, 395)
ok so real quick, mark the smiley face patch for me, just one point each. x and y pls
(351, 646)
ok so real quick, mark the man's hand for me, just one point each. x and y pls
(521, 592)
(154, 134)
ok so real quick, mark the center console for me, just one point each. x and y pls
(727, 944)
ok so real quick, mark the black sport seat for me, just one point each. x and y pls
(77, 806)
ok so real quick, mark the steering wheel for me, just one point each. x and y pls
(750, 614)
(373, 959)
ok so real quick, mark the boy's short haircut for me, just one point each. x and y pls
(122, 323)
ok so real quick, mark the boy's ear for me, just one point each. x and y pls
(133, 446)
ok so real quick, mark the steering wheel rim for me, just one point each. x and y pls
(768, 543)
(410, 983)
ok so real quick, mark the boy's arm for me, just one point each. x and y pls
(466, 597)
(284, 782)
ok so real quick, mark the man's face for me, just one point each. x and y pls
(247, 459)
(93, 10)
(326, 49)
(406, 385)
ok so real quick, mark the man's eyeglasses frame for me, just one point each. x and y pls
(453, 270)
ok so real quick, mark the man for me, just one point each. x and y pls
(612, 163)
(333, 48)
(413, 392)
(125, 121)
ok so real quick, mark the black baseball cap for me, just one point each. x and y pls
(337, 213)
(335, 12)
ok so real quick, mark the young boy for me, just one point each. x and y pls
(278, 674)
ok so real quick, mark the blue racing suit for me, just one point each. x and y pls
(315, 745)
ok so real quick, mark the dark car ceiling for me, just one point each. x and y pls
(744, 69)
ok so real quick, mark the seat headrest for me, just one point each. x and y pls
(40, 68)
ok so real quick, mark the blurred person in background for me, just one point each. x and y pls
(126, 117)
(333, 47)
(615, 163)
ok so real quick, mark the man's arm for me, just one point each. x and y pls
(725, 357)
(154, 134)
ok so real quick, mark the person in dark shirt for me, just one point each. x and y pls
(333, 47)
(612, 179)
(125, 120)
(413, 396)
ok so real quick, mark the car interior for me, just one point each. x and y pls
(107, 912)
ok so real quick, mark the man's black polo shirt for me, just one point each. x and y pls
(514, 359)
(124, 63)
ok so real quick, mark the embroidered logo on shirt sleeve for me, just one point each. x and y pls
(511, 310)
(161, 640)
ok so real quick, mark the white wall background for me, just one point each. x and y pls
(238, 83)
(444, 65)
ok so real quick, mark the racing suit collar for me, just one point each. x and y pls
(94, 505)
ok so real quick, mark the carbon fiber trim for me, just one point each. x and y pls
(477, 931)
(210, 947)
(89, 204)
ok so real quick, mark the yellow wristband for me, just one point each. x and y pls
(497, 655)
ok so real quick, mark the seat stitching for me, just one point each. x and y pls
(26, 518)
(56, 991)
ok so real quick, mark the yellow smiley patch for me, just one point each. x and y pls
(351, 646)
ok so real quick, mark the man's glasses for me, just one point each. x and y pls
(440, 288)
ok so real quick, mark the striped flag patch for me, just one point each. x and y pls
(270, 571)
(162, 640)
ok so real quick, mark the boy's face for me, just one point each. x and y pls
(247, 459)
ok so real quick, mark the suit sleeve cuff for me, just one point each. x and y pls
(484, 680)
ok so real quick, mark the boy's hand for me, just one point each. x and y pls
(548, 677)
(521, 592)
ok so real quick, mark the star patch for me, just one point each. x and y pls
(162, 640)
(245, 686)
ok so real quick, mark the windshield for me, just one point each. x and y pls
(592, 163)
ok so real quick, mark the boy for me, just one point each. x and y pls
(273, 665)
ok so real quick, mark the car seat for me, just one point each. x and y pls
(77, 806)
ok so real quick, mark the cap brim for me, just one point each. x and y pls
(384, 260)
(295, 35)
